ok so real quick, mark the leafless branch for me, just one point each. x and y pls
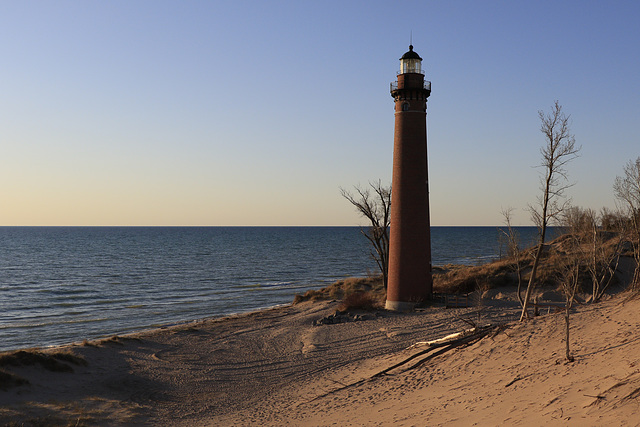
(559, 149)
(377, 209)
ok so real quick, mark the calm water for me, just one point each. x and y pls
(65, 284)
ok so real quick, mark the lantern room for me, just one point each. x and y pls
(411, 62)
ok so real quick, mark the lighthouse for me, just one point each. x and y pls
(410, 281)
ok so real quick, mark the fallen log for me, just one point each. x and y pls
(449, 338)
(441, 346)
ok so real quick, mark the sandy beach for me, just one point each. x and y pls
(275, 367)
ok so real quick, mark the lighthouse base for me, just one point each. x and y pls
(399, 306)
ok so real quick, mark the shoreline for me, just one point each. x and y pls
(250, 344)
(146, 330)
(125, 281)
(274, 367)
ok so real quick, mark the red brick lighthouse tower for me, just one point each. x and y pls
(410, 279)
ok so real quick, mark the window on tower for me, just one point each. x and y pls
(410, 66)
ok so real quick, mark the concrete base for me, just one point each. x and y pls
(399, 305)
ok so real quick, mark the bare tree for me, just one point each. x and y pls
(612, 220)
(376, 208)
(559, 149)
(513, 248)
(570, 280)
(603, 250)
(597, 258)
(590, 252)
(627, 190)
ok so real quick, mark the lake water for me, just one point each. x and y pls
(66, 284)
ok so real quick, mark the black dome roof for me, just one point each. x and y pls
(411, 54)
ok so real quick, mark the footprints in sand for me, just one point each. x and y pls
(394, 333)
(307, 340)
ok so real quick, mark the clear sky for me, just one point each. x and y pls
(257, 112)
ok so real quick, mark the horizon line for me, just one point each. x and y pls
(252, 225)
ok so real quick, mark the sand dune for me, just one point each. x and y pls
(274, 367)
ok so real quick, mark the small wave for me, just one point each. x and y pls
(58, 291)
(74, 312)
(52, 322)
(94, 320)
(274, 285)
(24, 325)
(65, 304)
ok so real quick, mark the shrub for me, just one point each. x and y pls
(359, 301)
(50, 362)
(341, 289)
(8, 380)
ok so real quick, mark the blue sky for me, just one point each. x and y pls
(256, 113)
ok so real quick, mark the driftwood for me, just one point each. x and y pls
(441, 345)
(449, 338)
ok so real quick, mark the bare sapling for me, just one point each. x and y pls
(578, 225)
(598, 248)
(604, 254)
(376, 208)
(627, 191)
(559, 149)
(570, 279)
(513, 248)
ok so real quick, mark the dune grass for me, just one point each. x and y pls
(356, 293)
(369, 293)
(54, 362)
(9, 380)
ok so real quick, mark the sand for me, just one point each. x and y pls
(274, 367)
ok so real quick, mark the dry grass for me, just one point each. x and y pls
(48, 421)
(342, 289)
(460, 279)
(115, 339)
(454, 279)
(52, 414)
(9, 380)
(52, 362)
(367, 301)
(87, 411)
